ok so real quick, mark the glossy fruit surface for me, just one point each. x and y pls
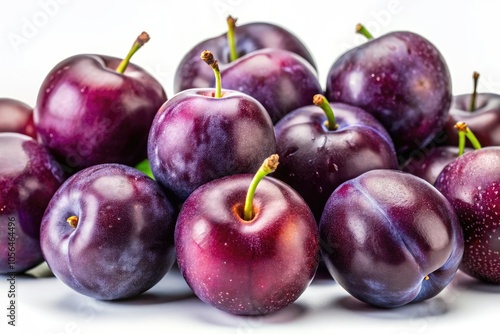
(196, 138)
(400, 78)
(247, 267)
(87, 113)
(471, 183)
(279, 79)
(16, 116)
(29, 176)
(390, 238)
(484, 120)
(315, 160)
(250, 37)
(108, 232)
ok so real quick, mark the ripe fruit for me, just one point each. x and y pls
(471, 183)
(108, 232)
(94, 109)
(401, 79)
(390, 238)
(246, 247)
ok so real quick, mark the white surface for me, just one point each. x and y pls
(45, 305)
(466, 34)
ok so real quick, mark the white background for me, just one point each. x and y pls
(36, 35)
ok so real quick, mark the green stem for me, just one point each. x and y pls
(475, 77)
(463, 132)
(322, 102)
(139, 42)
(269, 166)
(231, 38)
(145, 167)
(360, 29)
(208, 58)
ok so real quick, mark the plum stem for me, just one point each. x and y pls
(426, 278)
(268, 166)
(145, 167)
(361, 29)
(463, 132)
(475, 78)
(72, 221)
(208, 58)
(231, 38)
(322, 102)
(142, 39)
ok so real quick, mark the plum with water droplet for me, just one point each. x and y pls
(472, 184)
(316, 157)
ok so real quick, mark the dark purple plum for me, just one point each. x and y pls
(471, 183)
(203, 134)
(390, 238)
(29, 176)
(430, 163)
(279, 79)
(315, 160)
(400, 78)
(16, 116)
(484, 120)
(89, 111)
(247, 266)
(249, 37)
(108, 232)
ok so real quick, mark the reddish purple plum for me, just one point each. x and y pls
(402, 79)
(247, 266)
(29, 177)
(249, 37)
(91, 110)
(471, 183)
(203, 134)
(315, 160)
(279, 79)
(390, 238)
(16, 116)
(430, 163)
(108, 232)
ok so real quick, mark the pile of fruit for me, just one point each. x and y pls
(377, 177)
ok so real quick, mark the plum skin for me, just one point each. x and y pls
(315, 160)
(471, 183)
(246, 267)
(123, 244)
(401, 79)
(383, 232)
(196, 138)
(29, 176)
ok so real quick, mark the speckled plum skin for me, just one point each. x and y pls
(430, 164)
(315, 160)
(484, 121)
(29, 176)
(191, 73)
(383, 232)
(279, 79)
(196, 138)
(16, 116)
(123, 243)
(471, 183)
(87, 114)
(247, 267)
(401, 79)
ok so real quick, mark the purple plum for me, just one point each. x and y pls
(29, 177)
(390, 238)
(108, 232)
